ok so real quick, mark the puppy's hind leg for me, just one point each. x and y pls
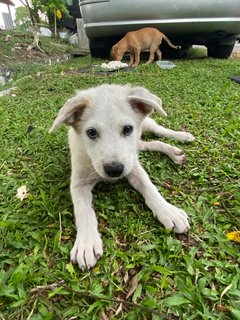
(152, 50)
(174, 153)
(159, 54)
(149, 125)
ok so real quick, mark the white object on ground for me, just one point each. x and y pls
(73, 39)
(63, 34)
(45, 32)
(114, 65)
(7, 92)
(165, 64)
(22, 193)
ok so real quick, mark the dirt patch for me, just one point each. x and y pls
(14, 44)
(21, 54)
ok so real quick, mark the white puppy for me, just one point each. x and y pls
(106, 124)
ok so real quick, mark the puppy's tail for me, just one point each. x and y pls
(169, 42)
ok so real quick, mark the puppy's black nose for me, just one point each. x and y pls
(114, 169)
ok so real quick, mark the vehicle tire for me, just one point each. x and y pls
(220, 51)
(186, 47)
(170, 53)
(99, 49)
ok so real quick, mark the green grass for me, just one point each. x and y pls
(180, 277)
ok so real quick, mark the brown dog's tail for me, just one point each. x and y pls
(169, 42)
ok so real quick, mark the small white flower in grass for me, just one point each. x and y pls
(22, 193)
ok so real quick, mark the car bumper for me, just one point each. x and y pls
(111, 18)
(176, 27)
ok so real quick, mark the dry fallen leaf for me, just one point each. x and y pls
(222, 308)
(119, 309)
(22, 193)
(126, 277)
(134, 285)
(226, 290)
(104, 316)
(65, 238)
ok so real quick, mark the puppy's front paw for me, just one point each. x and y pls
(174, 219)
(185, 136)
(87, 249)
(177, 155)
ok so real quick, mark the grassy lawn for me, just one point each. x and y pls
(154, 274)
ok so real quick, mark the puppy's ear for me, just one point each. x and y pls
(70, 113)
(145, 102)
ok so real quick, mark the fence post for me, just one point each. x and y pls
(83, 40)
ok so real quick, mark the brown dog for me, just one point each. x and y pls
(140, 40)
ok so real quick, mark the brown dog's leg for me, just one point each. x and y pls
(131, 59)
(137, 56)
(159, 54)
(153, 49)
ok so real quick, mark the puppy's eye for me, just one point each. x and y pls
(127, 130)
(92, 133)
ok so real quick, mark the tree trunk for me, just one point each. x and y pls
(55, 24)
(30, 13)
(36, 39)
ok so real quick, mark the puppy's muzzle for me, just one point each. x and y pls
(114, 169)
